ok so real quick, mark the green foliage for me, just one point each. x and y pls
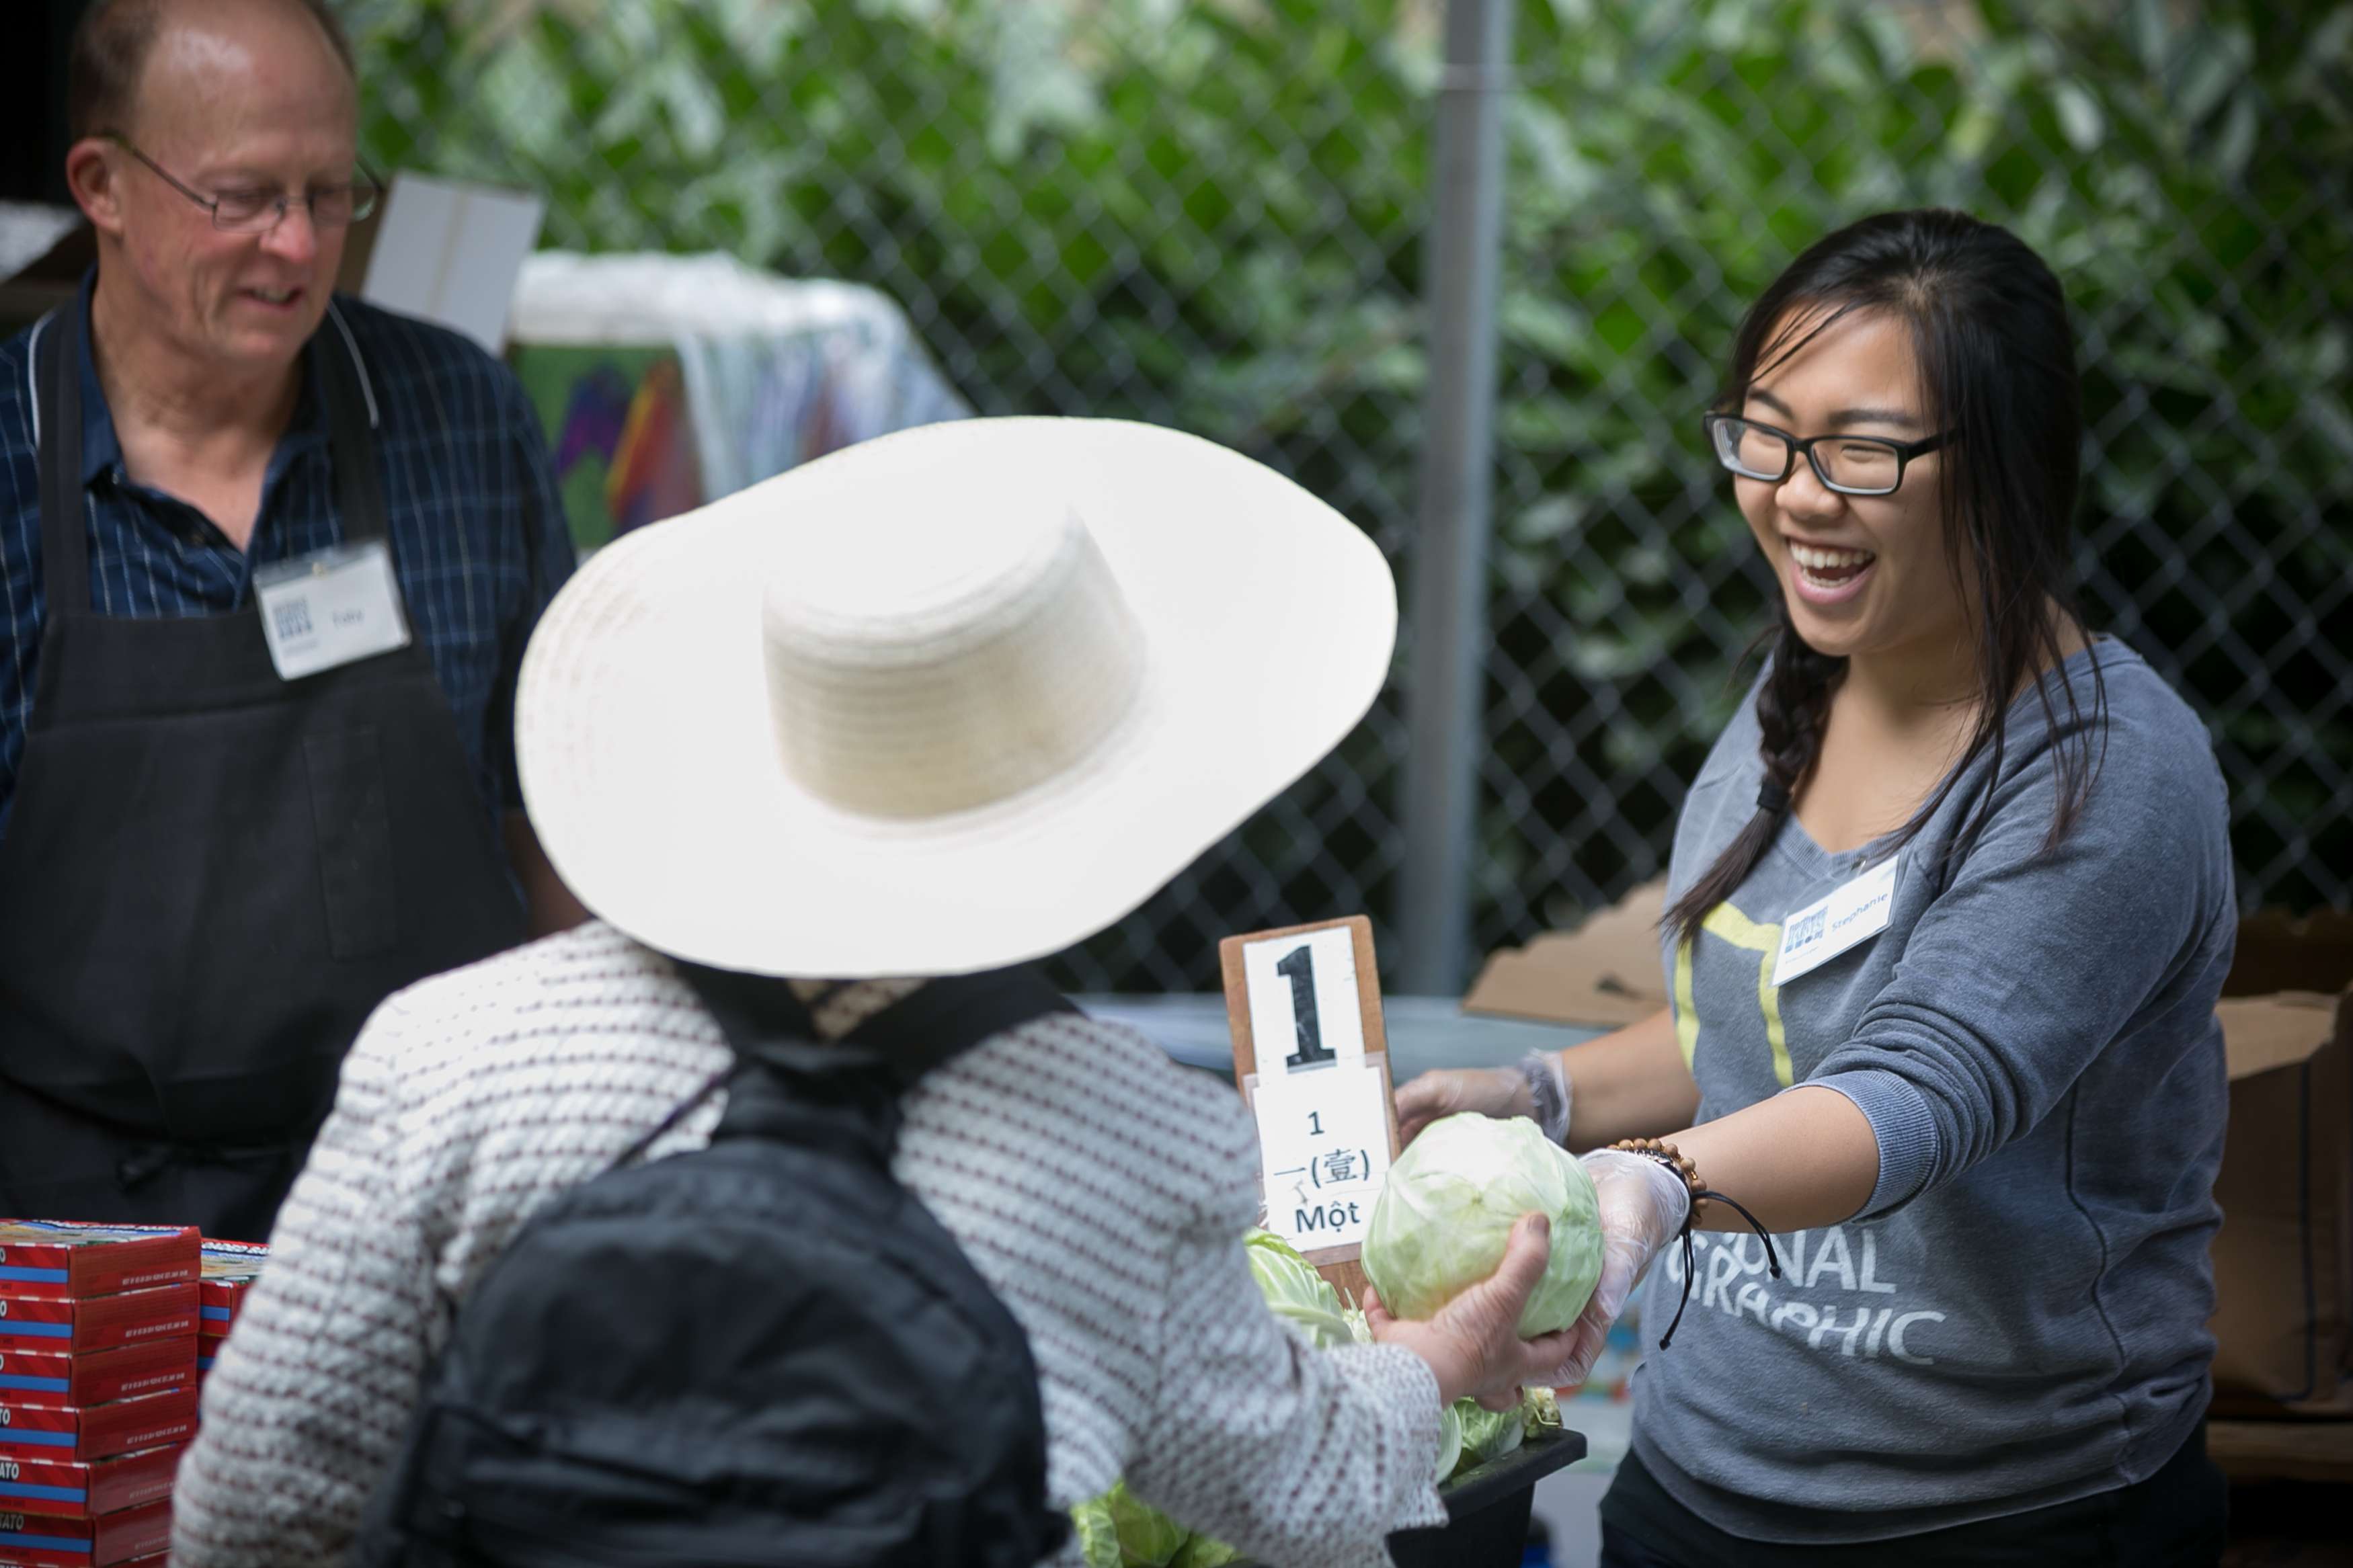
(1210, 212)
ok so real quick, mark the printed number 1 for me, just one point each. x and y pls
(1316, 1124)
(1299, 965)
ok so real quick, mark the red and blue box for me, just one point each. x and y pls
(76, 1326)
(74, 1435)
(107, 1541)
(70, 1489)
(99, 1335)
(97, 1377)
(46, 1258)
(229, 1269)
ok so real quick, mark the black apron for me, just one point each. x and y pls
(211, 875)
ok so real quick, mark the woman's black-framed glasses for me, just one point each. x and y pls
(1850, 465)
(259, 210)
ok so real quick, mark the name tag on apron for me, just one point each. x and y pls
(1821, 931)
(329, 608)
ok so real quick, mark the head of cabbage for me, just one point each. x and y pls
(1449, 1207)
(1298, 1294)
(1120, 1530)
(1487, 1434)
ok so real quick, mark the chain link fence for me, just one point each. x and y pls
(1211, 213)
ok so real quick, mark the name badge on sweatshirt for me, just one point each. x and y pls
(329, 608)
(1821, 931)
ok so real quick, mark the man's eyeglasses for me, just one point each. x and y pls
(1850, 465)
(257, 211)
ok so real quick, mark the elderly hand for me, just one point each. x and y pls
(1641, 1206)
(1472, 1343)
(1491, 1091)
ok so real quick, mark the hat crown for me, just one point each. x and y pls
(947, 670)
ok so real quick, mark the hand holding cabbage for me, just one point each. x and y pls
(1118, 1529)
(1455, 1212)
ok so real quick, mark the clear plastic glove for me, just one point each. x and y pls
(1472, 1343)
(1642, 1206)
(1490, 1091)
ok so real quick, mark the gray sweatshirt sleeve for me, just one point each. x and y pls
(2028, 964)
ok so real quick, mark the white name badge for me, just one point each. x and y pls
(1821, 931)
(329, 608)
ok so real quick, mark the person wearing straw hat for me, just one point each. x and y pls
(944, 702)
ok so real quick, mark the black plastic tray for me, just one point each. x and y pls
(1487, 1509)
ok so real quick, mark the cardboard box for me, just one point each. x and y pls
(2284, 1257)
(67, 1489)
(102, 1323)
(103, 1542)
(230, 1268)
(97, 1377)
(45, 1258)
(64, 1433)
(1607, 971)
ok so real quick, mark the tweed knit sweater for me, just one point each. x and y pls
(1099, 1189)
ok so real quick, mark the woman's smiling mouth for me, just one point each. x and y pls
(1826, 576)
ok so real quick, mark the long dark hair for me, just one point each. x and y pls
(1997, 358)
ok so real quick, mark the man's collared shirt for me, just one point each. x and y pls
(477, 530)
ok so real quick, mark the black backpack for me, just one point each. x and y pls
(765, 1352)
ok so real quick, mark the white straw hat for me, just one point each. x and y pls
(945, 701)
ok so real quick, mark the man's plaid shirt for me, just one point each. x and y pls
(477, 530)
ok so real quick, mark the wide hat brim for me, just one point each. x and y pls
(654, 777)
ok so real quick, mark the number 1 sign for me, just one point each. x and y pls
(1311, 1058)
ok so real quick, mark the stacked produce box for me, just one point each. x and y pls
(98, 1389)
(230, 1269)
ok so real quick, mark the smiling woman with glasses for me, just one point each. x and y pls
(1948, 909)
(254, 209)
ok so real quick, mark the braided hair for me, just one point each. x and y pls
(1988, 327)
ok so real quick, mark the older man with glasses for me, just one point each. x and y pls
(268, 561)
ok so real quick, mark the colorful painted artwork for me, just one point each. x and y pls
(621, 434)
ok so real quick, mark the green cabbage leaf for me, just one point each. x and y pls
(1486, 1433)
(1297, 1293)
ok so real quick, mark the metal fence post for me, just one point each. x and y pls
(1446, 686)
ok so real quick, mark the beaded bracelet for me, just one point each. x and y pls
(1675, 1160)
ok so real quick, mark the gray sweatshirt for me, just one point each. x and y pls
(2018, 1317)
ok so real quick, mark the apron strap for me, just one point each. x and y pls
(359, 489)
(65, 530)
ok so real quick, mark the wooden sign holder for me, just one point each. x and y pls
(1339, 1264)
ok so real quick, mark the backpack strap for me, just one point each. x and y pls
(679, 1112)
(859, 1077)
(944, 1018)
(733, 992)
